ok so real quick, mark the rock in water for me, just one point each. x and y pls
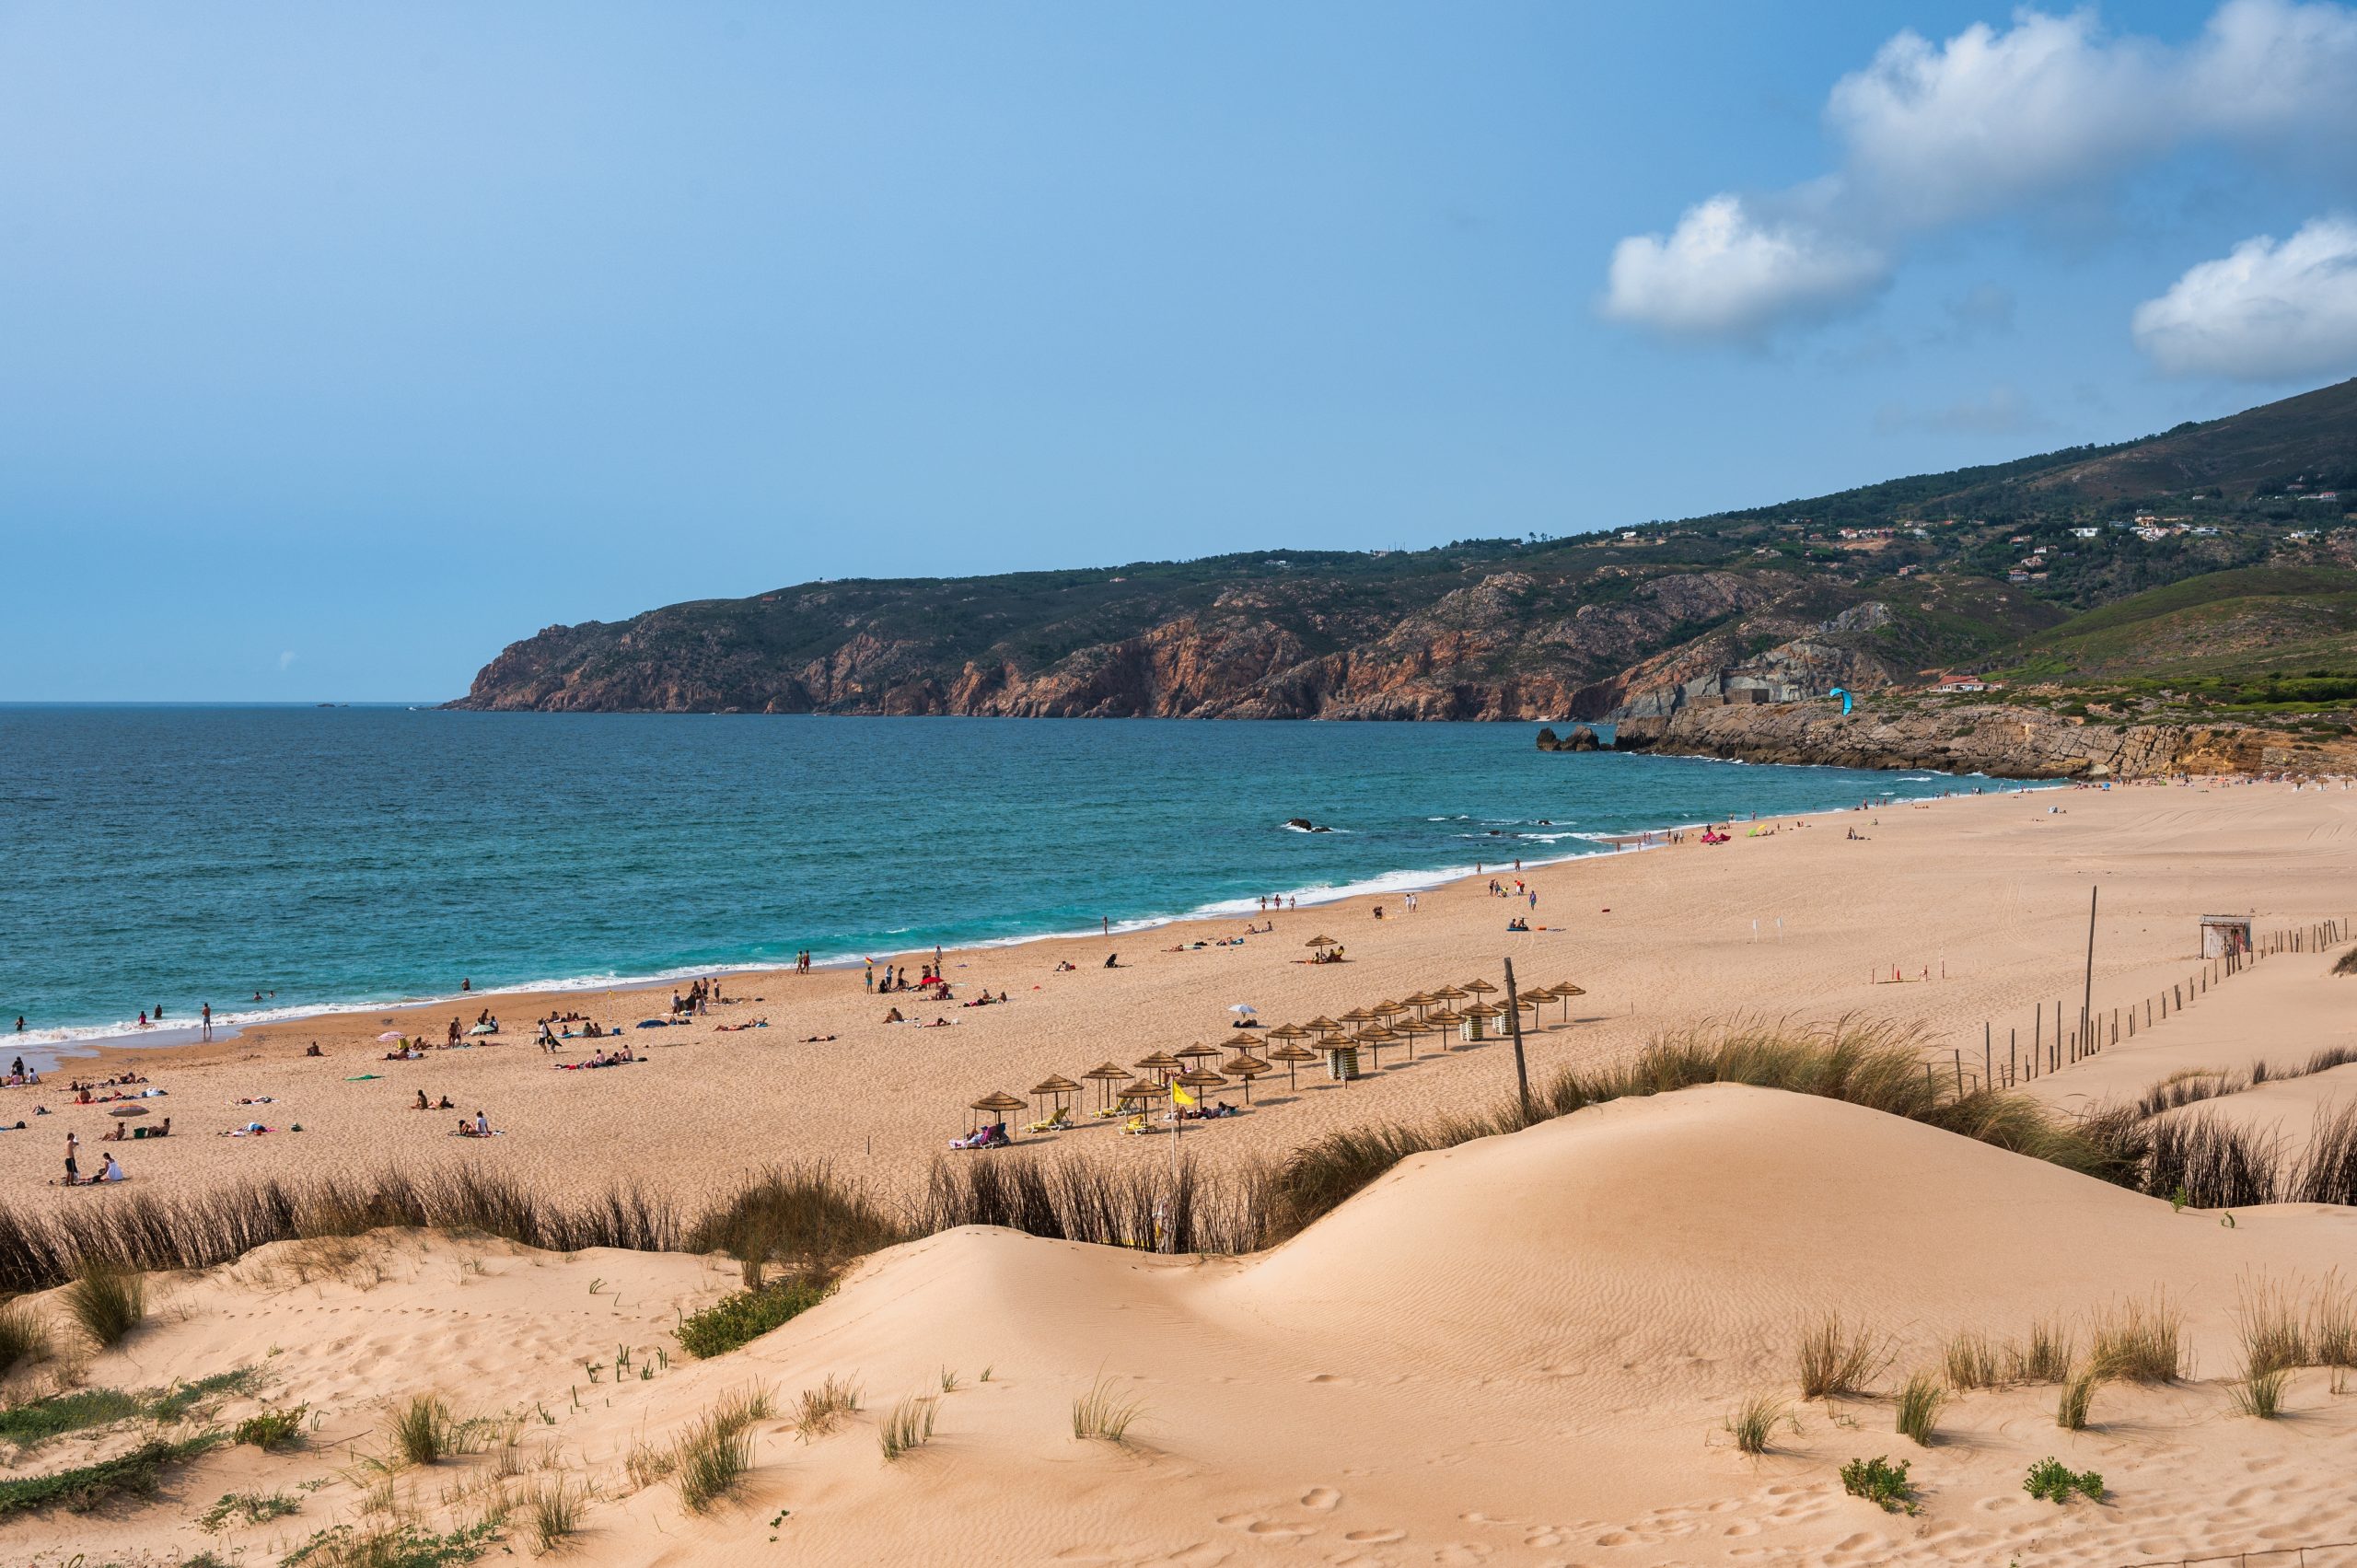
(1581, 739)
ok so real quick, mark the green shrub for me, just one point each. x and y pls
(746, 1315)
(1880, 1482)
(252, 1507)
(272, 1431)
(29, 1426)
(392, 1546)
(134, 1474)
(2053, 1481)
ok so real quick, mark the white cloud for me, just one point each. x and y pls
(1726, 272)
(2267, 312)
(1935, 135)
(286, 659)
(1938, 132)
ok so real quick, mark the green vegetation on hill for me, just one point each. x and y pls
(2206, 553)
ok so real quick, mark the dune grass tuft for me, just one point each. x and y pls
(2045, 1356)
(2260, 1392)
(1835, 1360)
(1754, 1421)
(24, 1337)
(555, 1508)
(2078, 1394)
(821, 1410)
(1105, 1414)
(1919, 1402)
(108, 1301)
(1970, 1361)
(710, 1460)
(424, 1431)
(907, 1425)
(2139, 1341)
(2274, 1331)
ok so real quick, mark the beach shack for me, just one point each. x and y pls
(2223, 935)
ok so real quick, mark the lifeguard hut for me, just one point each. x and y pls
(2223, 935)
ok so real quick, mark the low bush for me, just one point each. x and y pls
(1880, 1482)
(2052, 1480)
(395, 1545)
(747, 1315)
(250, 1507)
(134, 1474)
(273, 1431)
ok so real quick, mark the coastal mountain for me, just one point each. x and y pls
(1864, 589)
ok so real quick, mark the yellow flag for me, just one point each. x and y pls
(1180, 1096)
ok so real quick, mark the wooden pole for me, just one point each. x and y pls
(1514, 1027)
(2087, 988)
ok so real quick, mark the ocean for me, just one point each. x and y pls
(348, 857)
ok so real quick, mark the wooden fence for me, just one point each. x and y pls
(2051, 1048)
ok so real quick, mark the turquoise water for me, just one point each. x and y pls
(350, 856)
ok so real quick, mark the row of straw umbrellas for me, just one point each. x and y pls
(1148, 1080)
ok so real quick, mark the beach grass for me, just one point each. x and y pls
(907, 1425)
(1919, 1402)
(2260, 1391)
(1105, 1414)
(24, 1337)
(1837, 1360)
(424, 1431)
(711, 1459)
(1755, 1419)
(2047, 1355)
(821, 1410)
(108, 1300)
(88, 1487)
(1970, 1361)
(2078, 1394)
(555, 1508)
(2139, 1340)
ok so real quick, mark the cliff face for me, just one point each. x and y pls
(2003, 741)
(1503, 644)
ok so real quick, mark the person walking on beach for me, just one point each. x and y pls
(871, 974)
(73, 1166)
(206, 1032)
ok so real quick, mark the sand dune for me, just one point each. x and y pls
(1519, 1350)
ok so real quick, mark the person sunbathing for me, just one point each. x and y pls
(894, 1016)
(422, 1102)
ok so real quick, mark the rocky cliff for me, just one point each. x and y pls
(2001, 740)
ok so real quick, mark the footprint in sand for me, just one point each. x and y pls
(1322, 1498)
(1383, 1537)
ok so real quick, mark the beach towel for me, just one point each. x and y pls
(363, 1077)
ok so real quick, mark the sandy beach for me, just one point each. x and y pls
(1524, 1349)
(1978, 905)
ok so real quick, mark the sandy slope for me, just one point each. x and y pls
(1519, 1350)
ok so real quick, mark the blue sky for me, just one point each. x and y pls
(343, 345)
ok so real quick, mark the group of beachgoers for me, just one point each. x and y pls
(107, 1169)
(896, 977)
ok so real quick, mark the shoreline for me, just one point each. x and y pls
(98, 1050)
(50, 1051)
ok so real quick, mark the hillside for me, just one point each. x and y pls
(1864, 589)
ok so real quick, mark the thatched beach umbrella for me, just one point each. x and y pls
(1055, 1085)
(1358, 1015)
(1201, 1078)
(1321, 942)
(1448, 993)
(1325, 1026)
(1105, 1075)
(1479, 988)
(1376, 1037)
(1563, 994)
(1288, 1032)
(1478, 1014)
(1445, 1020)
(1161, 1065)
(1293, 1056)
(1197, 1052)
(1246, 1066)
(1420, 999)
(998, 1101)
(1142, 1093)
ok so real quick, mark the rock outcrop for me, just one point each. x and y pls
(1999, 741)
(1581, 739)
